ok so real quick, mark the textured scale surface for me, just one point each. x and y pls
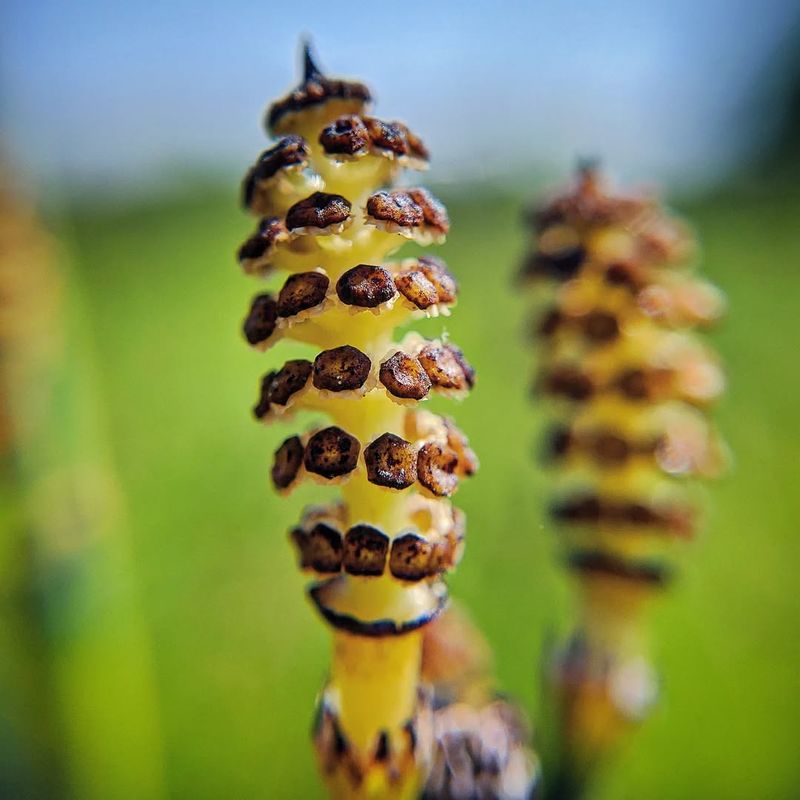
(329, 226)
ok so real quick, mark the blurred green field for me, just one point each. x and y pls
(238, 653)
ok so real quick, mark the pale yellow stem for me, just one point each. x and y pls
(375, 682)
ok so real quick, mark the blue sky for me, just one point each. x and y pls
(112, 92)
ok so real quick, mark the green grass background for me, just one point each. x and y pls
(236, 650)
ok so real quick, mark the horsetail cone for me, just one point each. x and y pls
(329, 221)
(629, 385)
(480, 738)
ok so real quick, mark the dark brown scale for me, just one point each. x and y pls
(417, 288)
(331, 453)
(415, 145)
(341, 369)
(269, 232)
(584, 509)
(568, 381)
(403, 376)
(365, 550)
(319, 210)
(290, 378)
(633, 383)
(549, 323)
(434, 212)
(261, 408)
(261, 319)
(444, 554)
(410, 557)
(435, 270)
(347, 136)
(382, 749)
(387, 136)
(600, 562)
(396, 206)
(637, 514)
(436, 469)
(289, 151)
(325, 548)
(557, 443)
(622, 275)
(466, 367)
(391, 461)
(302, 291)
(562, 265)
(287, 463)
(456, 441)
(600, 327)
(591, 510)
(299, 538)
(446, 367)
(608, 448)
(365, 286)
(589, 208)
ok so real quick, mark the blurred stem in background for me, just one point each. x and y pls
(76, 683)
(29, 753)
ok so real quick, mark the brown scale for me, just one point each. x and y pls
(437, 468)
(446, 367)
(365, 551)
(396, 206)
(365, 286)
(423, 283)
(262, 319)
(389, 460)
(434, 366)
(405, 377)
(301, 292)
(417, 288)
(254, 254)
(289, 153)
(322, 547)
(331, 453)
(341, 369)
(355, 135)
(287, 463)
(319, 212)
(347, 136)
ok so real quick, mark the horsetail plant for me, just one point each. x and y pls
(480, 738)
(629, 384)
(329, 217)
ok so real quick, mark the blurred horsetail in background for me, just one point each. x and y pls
(629, 385)
(74, 657)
